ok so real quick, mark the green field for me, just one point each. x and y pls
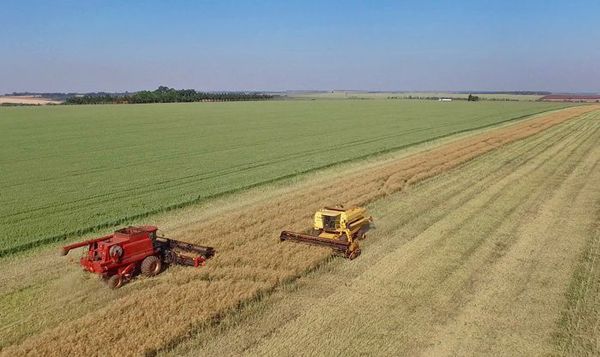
(71, 169)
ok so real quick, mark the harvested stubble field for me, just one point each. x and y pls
(492, 257)
(68, 170)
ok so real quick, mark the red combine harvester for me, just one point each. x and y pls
(118, 256)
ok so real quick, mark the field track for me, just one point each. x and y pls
(26, 100)
(456, 239)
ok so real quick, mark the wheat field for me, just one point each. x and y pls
(251, 264)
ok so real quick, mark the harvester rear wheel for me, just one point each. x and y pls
(115, 281)
(151, 266)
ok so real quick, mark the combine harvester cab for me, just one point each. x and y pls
(336, 228)
(118, 256)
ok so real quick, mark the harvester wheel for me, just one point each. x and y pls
(151, 266)
(115, 281)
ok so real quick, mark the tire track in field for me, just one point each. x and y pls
(528, 283)
(189, 298)
(579, 327)
(449, 268)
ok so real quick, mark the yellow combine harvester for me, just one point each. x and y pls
(336, 228)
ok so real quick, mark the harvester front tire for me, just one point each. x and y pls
(115, 281)
(151, 266)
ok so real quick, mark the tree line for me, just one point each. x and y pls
(165, 95)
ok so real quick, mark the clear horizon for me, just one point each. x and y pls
(460, 91)
(69, 46)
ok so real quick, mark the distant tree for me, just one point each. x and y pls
(164, 94)
(472, 98)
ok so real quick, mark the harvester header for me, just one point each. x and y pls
(336, 228)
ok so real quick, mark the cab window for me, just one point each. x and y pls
(331, 222)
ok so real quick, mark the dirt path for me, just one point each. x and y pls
(68, 309)
(28, 100)
(476, 261)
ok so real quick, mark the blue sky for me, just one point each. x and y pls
(281, 45)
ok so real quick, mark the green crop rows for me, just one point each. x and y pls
(71, 169)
